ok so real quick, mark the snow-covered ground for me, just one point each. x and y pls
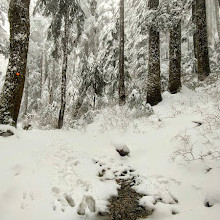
(41, 170)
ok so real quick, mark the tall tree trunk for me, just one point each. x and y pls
(210, 21)
(41, 74)
(121, 87)
(202, 40)
(154, 80)
(64, 70)
(217, 5)
(10, 99)
(175, 59)
(194, 35)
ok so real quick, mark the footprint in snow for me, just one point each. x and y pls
(61, 201)
(27, 198)
(87, 202)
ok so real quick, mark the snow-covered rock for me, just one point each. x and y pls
(7, 130)
(122, 149)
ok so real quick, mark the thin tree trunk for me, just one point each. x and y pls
(154, 80)
(64, 70)
(175, 59)
(202, 40)
(41, 74)
(121, 87)
(11, 95)
(50, 91)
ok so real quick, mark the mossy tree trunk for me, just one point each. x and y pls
(202, 52)
(11, 96)
(121, 87)
(194, 35)
(175, 59)
(154, 79)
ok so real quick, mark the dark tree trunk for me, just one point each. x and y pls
(64, 70)
(11, 95)
(175, 59)
(202, 40)
(121, 87)
(194, 35)
(154, 80)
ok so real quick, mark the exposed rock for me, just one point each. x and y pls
(126, 205)
(122, 149)
(7, 130)
(211, 200)
(27, 127)
(6, 133)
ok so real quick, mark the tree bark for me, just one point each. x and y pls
(26, 93)
(202, 40)
(217, 5)
(210, 21)
(154, 80)
(175, 59)
(194, 35)
(64, 70)
(11, 96)
(121, 87)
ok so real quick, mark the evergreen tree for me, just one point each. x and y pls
(175, 59)
(175, 47)
(194, 34)
(65, 13)
(121, 84)
(153, 79)
(10, 99)
(202, 52)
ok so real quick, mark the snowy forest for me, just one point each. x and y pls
(109, 109)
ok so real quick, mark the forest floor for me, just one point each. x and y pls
(59, 174)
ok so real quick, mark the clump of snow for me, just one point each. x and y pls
(148, 202)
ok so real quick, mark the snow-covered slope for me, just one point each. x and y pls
(40, 170)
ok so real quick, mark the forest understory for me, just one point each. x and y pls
(109, 109)
(174, 160)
